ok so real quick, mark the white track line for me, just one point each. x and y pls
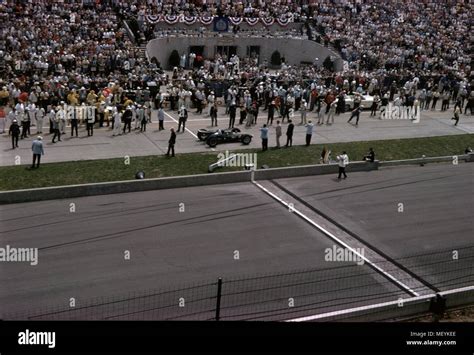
(379, 305)
(361, 309)
(190, 132)
(332, 236)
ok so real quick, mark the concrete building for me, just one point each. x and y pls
(295, 50)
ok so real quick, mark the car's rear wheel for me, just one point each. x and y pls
(246, 140)
(212, 142)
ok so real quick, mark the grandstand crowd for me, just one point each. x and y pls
(80, 53)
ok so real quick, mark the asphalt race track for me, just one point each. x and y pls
(182, 240)
(437, 217)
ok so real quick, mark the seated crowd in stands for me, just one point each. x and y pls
(78, 52)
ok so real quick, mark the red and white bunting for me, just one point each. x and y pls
(189, 20)
(283, 20)
(235, 20)
(206, 20)
(268, 21)
(251, 21)
(172, 19)
(154, 18)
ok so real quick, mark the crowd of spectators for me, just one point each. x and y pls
(79, 52)
(68, 44)
(396, 40)
(396, 34)
(389, 47)
(297, 10)
(424, 35)
(54, 53)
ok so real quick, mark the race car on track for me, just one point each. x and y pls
(203, 133)
(213, 138)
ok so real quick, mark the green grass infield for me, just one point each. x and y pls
(93, 171)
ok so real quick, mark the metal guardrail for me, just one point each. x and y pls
(367, 311)
(427, 304)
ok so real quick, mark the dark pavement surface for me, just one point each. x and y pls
(435, 227)
(81, 254)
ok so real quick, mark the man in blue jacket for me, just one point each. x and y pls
(38, 151)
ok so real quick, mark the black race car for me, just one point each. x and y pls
(213, 138)
(203, 133)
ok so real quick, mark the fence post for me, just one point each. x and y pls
(219, 294)
(438, 307)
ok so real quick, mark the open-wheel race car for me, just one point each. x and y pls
(203, 133)
(213, 138)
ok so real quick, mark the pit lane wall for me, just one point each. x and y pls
(295, 50)
(106, 188)
(116, 187)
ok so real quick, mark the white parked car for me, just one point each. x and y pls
(366, 102)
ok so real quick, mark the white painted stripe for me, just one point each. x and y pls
(190, 132)
(379, 305)
(360, 309)
(457, 290)
(310, 221)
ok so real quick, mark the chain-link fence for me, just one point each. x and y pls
(275, 297)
